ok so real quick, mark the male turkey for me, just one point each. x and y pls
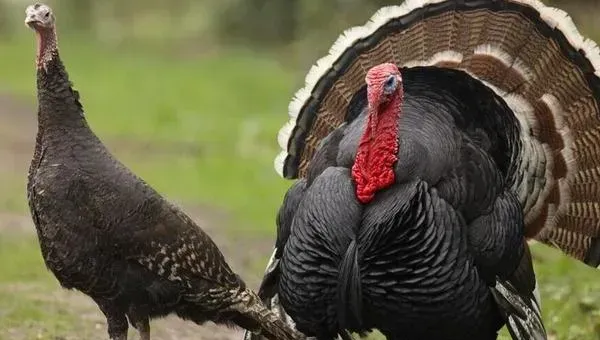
(427, 147)
(106, 233)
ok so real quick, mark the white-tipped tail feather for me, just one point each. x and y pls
(524, 315)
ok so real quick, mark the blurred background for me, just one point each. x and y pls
(190, 95)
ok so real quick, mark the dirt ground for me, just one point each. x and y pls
(17, 134)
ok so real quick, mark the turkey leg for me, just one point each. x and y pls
(115, 319)
(141, 322)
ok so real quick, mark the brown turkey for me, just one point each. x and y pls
(106, 233)
(428, 147)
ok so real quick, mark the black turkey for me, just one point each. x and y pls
(428, 146)
(106, 233)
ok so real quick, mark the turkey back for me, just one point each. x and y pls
(530, 55)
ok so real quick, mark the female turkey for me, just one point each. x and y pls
(106, 233)
(428, 146)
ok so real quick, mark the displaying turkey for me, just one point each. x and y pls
(428, 146)
(106, 233)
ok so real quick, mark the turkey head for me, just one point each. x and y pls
(373, 168)
(40, 18)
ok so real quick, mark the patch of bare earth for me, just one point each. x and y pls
(17, 135)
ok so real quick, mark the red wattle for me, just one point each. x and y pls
(373, 168)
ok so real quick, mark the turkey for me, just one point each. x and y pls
(427, 148)
(105, 232)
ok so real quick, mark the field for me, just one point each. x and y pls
(201, 129)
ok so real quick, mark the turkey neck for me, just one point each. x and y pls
(59, 109)
(377, 152)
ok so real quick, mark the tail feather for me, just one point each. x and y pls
(260, 320)
(523, 315)
(531, 55)
(275, 306)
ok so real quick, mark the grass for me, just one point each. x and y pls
(570, 295)
(217, 118)
(26, 307)
(12, 195)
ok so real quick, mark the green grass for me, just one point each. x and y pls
(31, 317)
(21, 261)
(12, 192)
(26, 305)
(570, 295)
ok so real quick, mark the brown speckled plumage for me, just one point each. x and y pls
(105, 232)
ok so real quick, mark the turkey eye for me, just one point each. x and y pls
(47, 15)
(390, 84)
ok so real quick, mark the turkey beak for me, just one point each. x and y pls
(31, 17)
(31, 20)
